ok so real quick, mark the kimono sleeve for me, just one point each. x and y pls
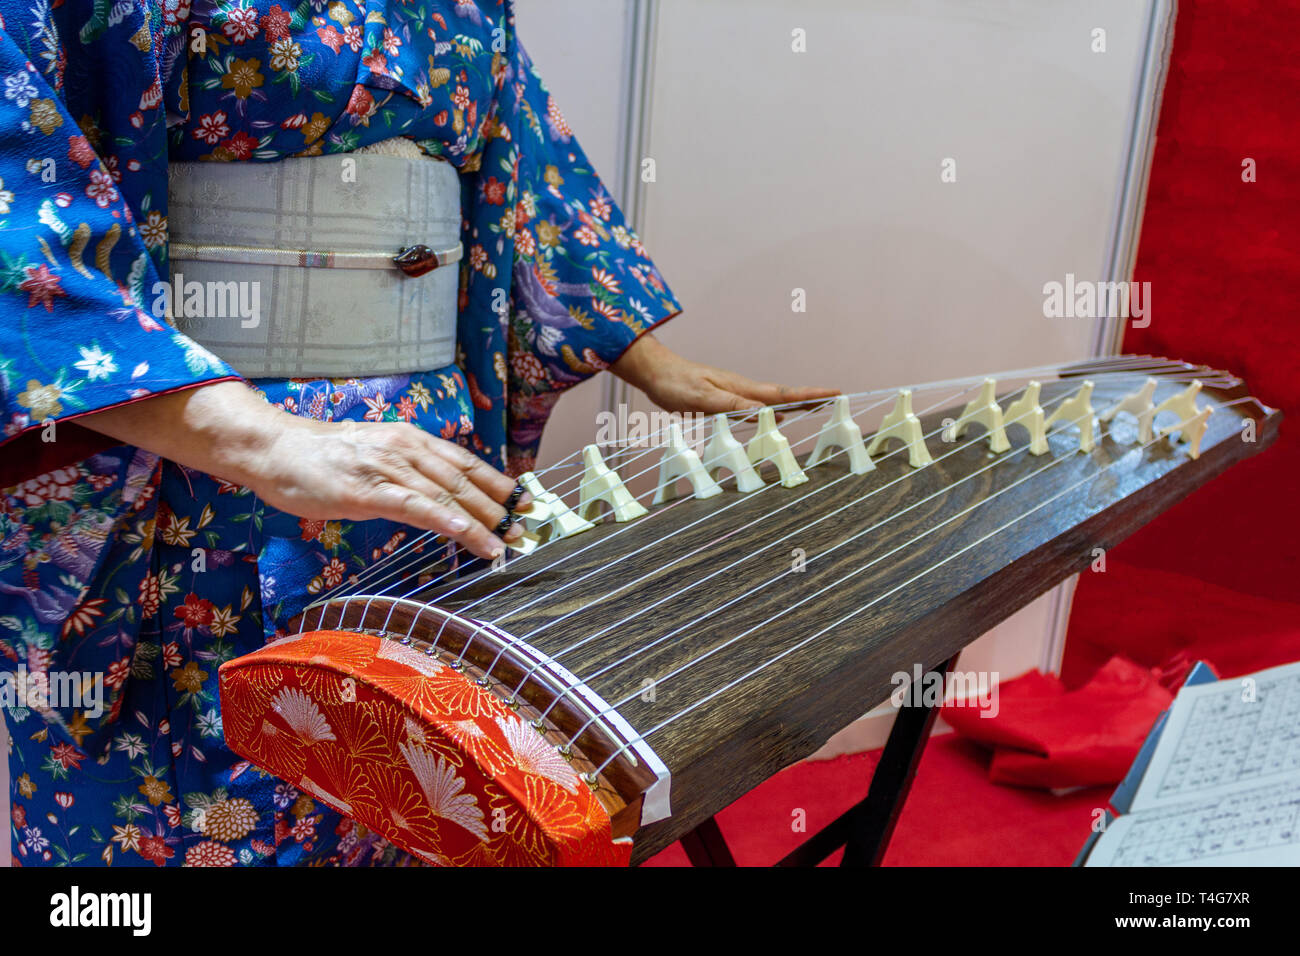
(584, 287)
(78, 287)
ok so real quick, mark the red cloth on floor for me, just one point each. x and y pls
(1043, 735)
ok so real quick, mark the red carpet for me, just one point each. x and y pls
(997, 826)
(1215, 577)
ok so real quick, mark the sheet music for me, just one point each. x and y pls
(1223, 733)
(1223, 785)
(1251, 826)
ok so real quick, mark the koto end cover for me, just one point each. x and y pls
(408, 746)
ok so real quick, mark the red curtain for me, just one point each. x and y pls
(1223, 259)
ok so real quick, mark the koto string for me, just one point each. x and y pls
(501, 591)
(805, 641)
(465, 649)
(710, 544)
(1002, 459)
(942, 491)
(662, 510)
(653, 448)
(740, 415)
(802, 498)
(457, 568)
(820, 406)
(415, 546)
(399, 572)
(459, 660)
(642, 650)
(371, 598)
(469, 582)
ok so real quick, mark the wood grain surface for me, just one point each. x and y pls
(695, 624)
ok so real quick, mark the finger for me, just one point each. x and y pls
(790, 397)
(788, 400)
(401, 503)
(399, 462)
(496, 486)
(806, 397)
(445, 477)
(738, 400)
(713, 400)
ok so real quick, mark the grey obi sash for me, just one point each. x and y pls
(327, 266)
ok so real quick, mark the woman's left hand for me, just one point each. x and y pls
(677, 384)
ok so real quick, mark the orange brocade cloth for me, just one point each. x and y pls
(1045, 736)
(414, 750)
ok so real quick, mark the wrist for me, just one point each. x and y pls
(237, 431)
(224, 428)
(635, 366)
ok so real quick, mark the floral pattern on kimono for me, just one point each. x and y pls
(147, 576)
(554, 284)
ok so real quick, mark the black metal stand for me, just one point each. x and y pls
(706, 846)
(863, 830)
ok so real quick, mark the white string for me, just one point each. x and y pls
(500, 591)
(805, 641)
(709, 517)
(745, 413)
(659, 511)
(468, 583)
(801, 499)
(652, 448)
(798, 531)
(1118, 364)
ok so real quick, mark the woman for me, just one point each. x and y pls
(163, 517)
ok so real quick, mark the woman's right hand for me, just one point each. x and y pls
(361, 470)
(322, 470)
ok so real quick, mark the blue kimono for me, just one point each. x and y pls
(125, 580)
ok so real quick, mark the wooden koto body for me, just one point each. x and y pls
(732, 635)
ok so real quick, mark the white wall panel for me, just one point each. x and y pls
(820, 170)
(778, 170)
